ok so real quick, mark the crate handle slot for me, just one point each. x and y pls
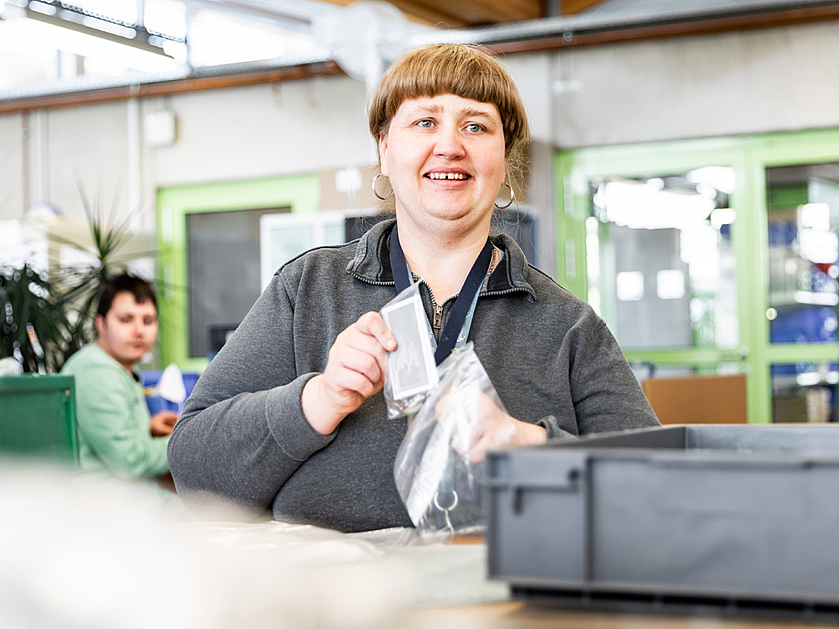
(517, 490)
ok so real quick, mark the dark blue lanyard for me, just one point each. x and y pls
(464, 305)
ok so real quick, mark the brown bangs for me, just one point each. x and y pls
(465, 71)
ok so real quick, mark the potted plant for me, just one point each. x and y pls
(46, 318)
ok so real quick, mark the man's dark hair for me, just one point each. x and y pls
(124, 283)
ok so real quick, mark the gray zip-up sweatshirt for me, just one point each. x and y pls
(243, 435)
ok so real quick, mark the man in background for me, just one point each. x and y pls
(116, 432)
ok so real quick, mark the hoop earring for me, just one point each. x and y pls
(378, 196)
(510, 202)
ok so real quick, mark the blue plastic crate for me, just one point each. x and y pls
(157, 403)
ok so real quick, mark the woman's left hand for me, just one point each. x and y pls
(480, 425)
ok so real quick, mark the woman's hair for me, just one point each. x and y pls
(465, 71)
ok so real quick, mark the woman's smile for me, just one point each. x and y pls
(447, 176)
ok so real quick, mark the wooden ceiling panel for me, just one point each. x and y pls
(477, 12)
(463, 13)
(570, 7)
(433, 16)
(416, 11)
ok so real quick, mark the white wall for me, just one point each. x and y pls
(532, 73)
(779, 79)
(11, 167)
(263, 130)
(87, 146)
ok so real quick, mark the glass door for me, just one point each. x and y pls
(714, 256)
(802, 203)
(659, 259)
(651, 236)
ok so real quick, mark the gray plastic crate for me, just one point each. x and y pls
(730, 516)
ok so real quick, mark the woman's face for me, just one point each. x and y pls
(445, 160)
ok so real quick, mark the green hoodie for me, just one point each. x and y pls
(113, 418)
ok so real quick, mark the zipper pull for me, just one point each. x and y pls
(438, 316)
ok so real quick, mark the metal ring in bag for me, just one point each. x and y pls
(437, 502)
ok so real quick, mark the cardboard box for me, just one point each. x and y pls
(709, 399)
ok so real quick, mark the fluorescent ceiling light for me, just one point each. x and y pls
(39, 29)
(39, 39)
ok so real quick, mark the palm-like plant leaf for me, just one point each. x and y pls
(34, 328)
(82, 285)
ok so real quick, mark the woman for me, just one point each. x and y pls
(290, 417)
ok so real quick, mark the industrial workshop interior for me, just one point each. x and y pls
(199, 270)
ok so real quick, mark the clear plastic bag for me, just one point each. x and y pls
(435, 475)
(411, 371)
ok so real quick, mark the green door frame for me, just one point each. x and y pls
(301, 193)
(749, 156)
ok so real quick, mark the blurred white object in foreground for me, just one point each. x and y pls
(76, 552)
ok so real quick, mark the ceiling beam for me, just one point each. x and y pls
(701, 26)
(177, 86)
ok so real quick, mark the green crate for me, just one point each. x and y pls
(38, 417)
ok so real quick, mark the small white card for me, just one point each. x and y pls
(411, 365)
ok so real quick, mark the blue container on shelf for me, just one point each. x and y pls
(811, 324)
(157, 403)
(782, 233)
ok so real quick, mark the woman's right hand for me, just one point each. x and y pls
(355, 371)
